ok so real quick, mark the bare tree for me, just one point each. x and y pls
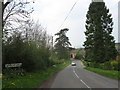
(15, 13)
(34, 32)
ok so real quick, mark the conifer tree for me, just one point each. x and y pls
(99, 44)
(62, 44)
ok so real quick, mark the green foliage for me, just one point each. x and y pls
(13, 73)
(31, 57)
(108, 73)
(33, 48)
(115, 65)
(62, 45)
(57, 61)
(106, 66)
(32, 51)
(85, 63)
(93, 64)
(54, 60)
(79, 56)
(31, 79)
(110, 65)
(99, 44)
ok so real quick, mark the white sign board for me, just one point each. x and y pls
(13, 65)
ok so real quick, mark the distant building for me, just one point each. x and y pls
(117, 45)
(75, 51)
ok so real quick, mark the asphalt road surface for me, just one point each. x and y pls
(77, 77)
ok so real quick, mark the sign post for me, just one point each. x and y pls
(15, 69)
(13, 65)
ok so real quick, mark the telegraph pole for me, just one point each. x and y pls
(1, 43)
(119, 22)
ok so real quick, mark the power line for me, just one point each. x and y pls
(68, 14)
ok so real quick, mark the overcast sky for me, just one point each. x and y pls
(51, 14)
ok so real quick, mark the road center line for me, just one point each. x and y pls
(84, 83)
(76, 74)
(80, 79)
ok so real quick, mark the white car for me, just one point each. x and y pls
(73, 64)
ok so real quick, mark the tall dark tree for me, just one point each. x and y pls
(62, 44)
(99, 44)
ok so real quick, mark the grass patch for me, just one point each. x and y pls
(108, 73)
(34, 79)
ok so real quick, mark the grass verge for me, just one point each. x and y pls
(108, 73)
(32, 80)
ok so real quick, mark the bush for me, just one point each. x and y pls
(31, 48)
(32, 57)
(111, 65)
(79, 56)
(107, 66)
(12, 73)
(115, 65)
(86, 63)
(55, 61)
(94, 65)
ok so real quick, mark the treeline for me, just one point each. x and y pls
(26, 41)
(79, 56)
(31, 47)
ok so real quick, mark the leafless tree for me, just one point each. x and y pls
(34, 32)
(15, 13)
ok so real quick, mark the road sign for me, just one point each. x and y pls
(13, 65)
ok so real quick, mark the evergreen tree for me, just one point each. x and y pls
(62, 44)
(99, 44)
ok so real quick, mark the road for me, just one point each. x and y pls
(77, 77)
